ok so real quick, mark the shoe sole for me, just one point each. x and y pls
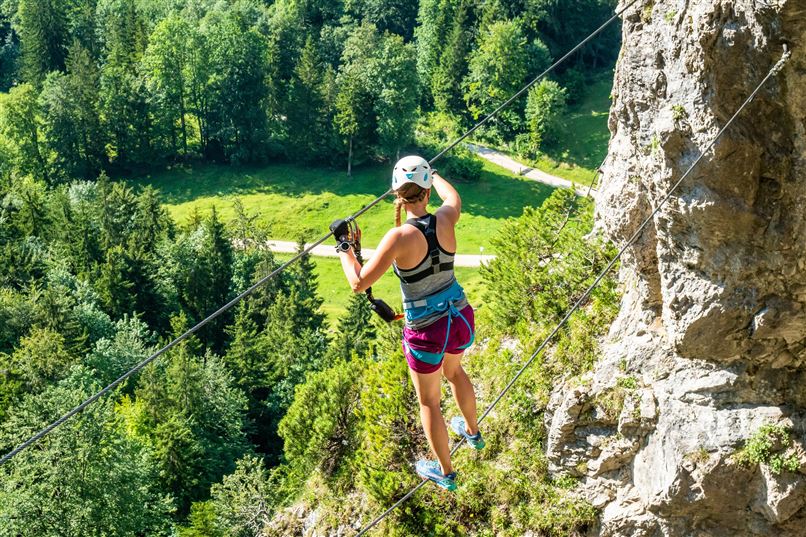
(478, 447)
(449, 488)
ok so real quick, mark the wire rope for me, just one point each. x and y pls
(775, 69)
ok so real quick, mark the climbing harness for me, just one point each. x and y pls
(418, 273)
(438, 303)
(636, 234)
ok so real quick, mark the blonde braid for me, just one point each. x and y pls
(409, 193)
(398, 207)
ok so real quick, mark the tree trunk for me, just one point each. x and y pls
(184, 125)
(350, 159)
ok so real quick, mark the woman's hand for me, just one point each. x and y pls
(360, 278)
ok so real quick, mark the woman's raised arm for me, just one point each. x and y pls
(451, 202)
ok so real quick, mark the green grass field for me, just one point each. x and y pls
(300, 201)
(335, 291)
(582, 142)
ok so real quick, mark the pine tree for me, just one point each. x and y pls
(42, 26)
(124, 107)
(303, 288)
(395, 16)
(447, 76)
(113, 284)
(431, 33)
(356, 330)
(197, 269)
(72, 124)
(89, 478)
(189, 411)
(309, 122)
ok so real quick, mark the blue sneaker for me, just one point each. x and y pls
(458, 426)
(431, 470)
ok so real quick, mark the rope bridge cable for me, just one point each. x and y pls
(774, 71)
(537, 79)
(595, 177)
(35, 438)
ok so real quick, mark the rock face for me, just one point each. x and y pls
(710, 343)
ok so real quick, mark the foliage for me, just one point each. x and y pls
(190, 414)
(72, 128)
(390, 429)
(769, 446)
(319, 426)
(545, 264)
(497, 70)
(42, 29)
(545, 107)
(228, 426)
(20, 126)
(88, 476)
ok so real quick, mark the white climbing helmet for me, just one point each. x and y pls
(412, 169)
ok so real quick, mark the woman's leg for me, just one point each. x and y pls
(462, 390)
(428, 393)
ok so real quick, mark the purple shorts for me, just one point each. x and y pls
(430, 341)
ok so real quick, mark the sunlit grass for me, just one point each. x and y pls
(300, 201)
(581, 144)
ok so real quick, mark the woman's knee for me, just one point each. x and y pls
(430, 401)
(454, 374)
(452, 367)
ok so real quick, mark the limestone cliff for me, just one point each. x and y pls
(710, 343)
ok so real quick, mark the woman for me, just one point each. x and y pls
(439, 320)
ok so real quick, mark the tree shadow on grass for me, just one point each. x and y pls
(495, 195)
(584, 136)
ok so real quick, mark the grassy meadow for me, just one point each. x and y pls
(581, 144)
(297, 201)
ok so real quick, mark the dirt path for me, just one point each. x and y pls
(327, 250)
(512, 165)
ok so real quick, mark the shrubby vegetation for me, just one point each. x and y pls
(267, 405)
(770, 445)
(234, 424)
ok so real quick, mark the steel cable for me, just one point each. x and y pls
(35, 438)
(775, 69)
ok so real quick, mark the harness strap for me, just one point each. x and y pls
(435, 358)
(438, 301)
(429, 231)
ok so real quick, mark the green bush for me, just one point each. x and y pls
(545, 107)
(319, 428)
(434, 132)
(768, 446)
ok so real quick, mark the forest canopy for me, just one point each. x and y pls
(124, 85)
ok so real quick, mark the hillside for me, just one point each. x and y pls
(291, 201)
(149, 149)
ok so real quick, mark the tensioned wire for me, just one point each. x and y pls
(775, 69)
(35, 438)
